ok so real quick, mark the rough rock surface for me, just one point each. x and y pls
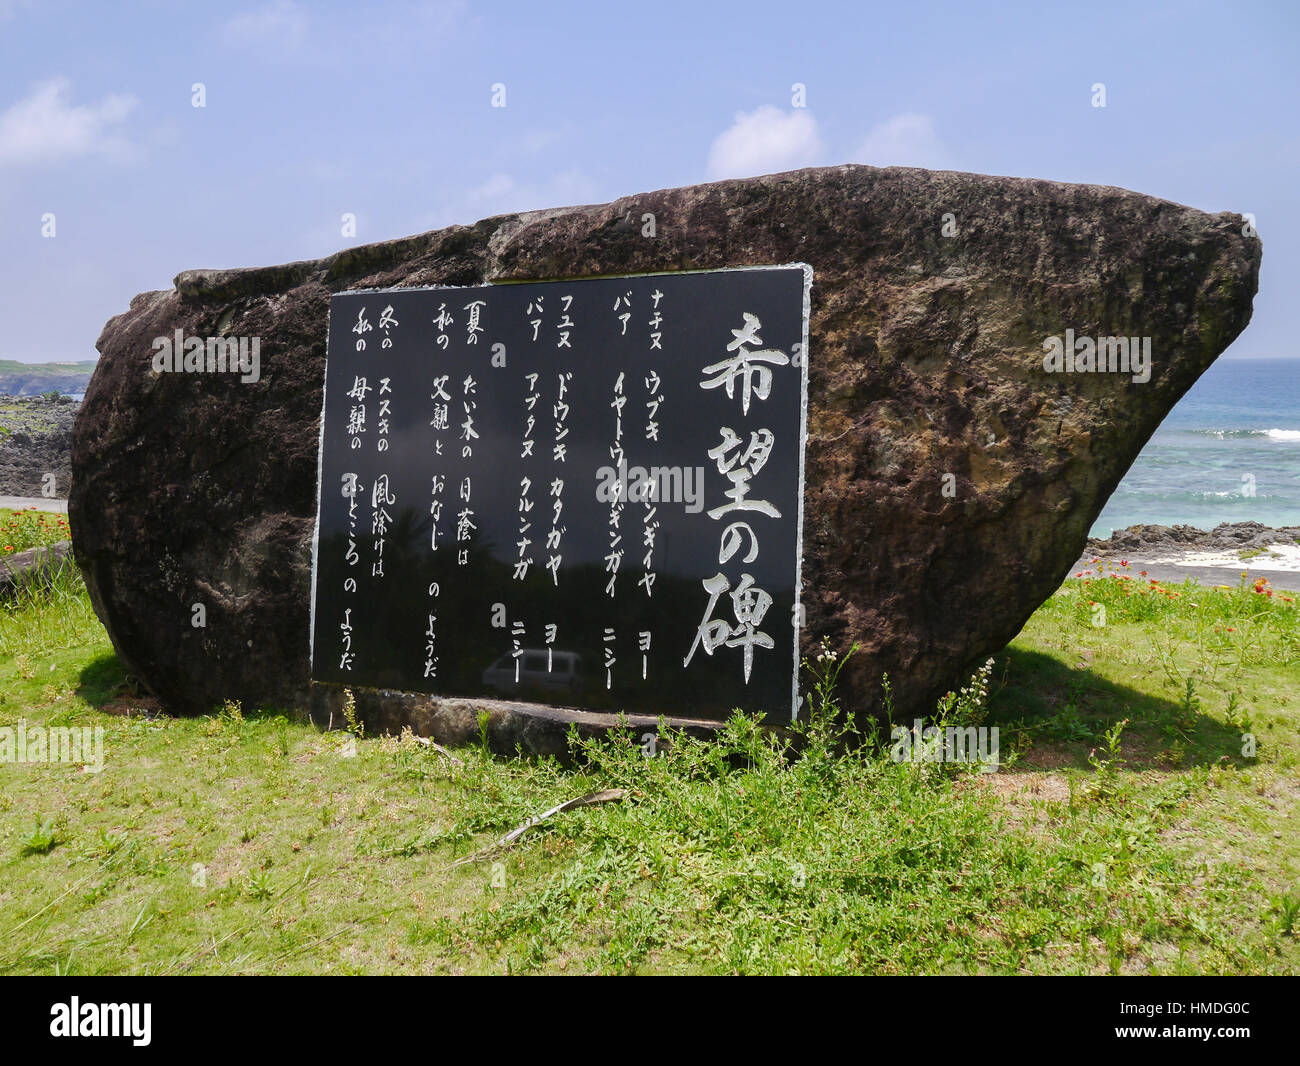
(35, 440)
(926, 359)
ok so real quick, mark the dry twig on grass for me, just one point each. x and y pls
(591, 799)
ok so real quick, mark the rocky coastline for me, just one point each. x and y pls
(1149, 540)
(36, 440)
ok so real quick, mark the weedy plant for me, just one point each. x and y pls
(1286, 913)
(259, 885)
(42, 838)
(354, 725)
(228, 722)
(826, 723)
(1107, 765)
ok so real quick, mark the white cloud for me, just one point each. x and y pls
(46, 127)
(764, 141)
(499, 194)
(290, 30)
(497, 186)
(419, 26)
(502, 194)
(906, 140)
(278, 26)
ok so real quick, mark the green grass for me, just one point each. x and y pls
(250, 842)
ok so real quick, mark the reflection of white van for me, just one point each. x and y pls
(563, 675)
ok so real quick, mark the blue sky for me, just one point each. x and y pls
(384, 110)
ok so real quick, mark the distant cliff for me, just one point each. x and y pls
(33, 379)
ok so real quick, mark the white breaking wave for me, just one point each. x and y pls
(1234, 434)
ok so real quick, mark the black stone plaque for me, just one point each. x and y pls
(584, 493)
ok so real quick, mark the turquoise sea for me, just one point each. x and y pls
(1228, 452)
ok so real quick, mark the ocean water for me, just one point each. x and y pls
(1228, 452)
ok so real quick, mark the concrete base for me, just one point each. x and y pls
(512, 727)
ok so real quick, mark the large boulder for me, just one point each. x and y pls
(951, 481)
